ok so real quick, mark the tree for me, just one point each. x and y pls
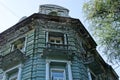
(105, 18)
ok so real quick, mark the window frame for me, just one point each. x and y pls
(58, 69)
(24, 44)
(68, 69)
(17, 73)
(55, 39)
(14, 76)
(64, 36)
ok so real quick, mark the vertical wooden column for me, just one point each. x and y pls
(69, 71)
(89, 75)
(65, 38)
(46, 37)
(19, 72)
(4, 76)
(47, 70)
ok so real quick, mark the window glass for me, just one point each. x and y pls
(48, 11)
(61, 13)
(1, 76)
(57, 74)
(52, 40)
(58, 41)
(13, 76)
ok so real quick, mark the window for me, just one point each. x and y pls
(61, 13)
(13, 76)
(53, 13)
(13, 73)
(57, 74)
(19, 44)
(58, 70)
(1, 76)
(48, 11)
(56, 40)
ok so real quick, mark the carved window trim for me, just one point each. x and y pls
(17, 73)
(58, 70)
(20, 44)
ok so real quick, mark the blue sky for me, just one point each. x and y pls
(12, 10)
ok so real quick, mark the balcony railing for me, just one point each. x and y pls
(57, 46)
(56, 50)
(13, 58)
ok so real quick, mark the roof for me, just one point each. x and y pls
(34, 16)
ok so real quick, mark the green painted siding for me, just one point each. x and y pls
(79, 70)
(35, 67)
(5, 49)
(29, 43)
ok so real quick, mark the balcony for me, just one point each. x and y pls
(12, 59)
(56, 50)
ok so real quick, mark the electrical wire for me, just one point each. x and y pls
(11, 11)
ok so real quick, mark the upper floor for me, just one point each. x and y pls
(46, 35)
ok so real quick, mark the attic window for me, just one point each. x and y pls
(53, 13)
(19, 44)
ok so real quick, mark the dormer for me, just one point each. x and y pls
(53, 10)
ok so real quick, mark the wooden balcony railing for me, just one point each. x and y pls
(56, 50)
(57, 46)
(11, 59)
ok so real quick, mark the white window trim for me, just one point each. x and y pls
(14, 76)
(19, 67)
(25, 43)
(64, 35)
(47, 33)
(48, 61)
(65, 38)
(58, 69)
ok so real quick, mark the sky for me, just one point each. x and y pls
(12, 10)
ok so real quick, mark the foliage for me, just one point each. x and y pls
(105, 18)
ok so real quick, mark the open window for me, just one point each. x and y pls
(19, 44)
